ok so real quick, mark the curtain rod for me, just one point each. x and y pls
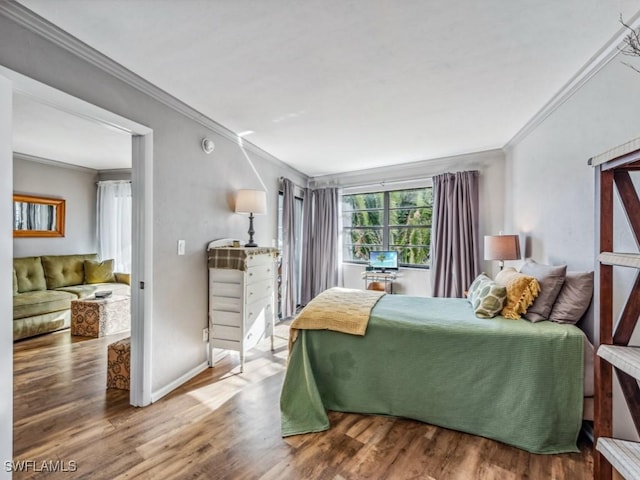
(112, 181)
(281, 179)
(382, 183)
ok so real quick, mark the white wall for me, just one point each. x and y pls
(192, 193)
(6, 268)
(490, 164)
(551, 188)
(77, 186)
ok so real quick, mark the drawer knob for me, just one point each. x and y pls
(251, 314)
(251, 274)
(249, 336)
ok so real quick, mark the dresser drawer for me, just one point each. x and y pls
(257, 312)
(259, 290)
(264, 259)
(260, 273)
(255, 334)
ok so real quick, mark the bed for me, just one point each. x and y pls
(433, 360)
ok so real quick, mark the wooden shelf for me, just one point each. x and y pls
(620, 259)
(624, 456)
(626, 359)
(613, 181)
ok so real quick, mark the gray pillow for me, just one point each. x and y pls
(550, 279)
(574, 298)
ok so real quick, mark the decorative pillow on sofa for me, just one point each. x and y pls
(574, 298)
(486, 297)
(521, 292)
(550, 279)
(15, 282)
(99, 272)
(65, 270)
(29, 274)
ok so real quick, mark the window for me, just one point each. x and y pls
(394, 220)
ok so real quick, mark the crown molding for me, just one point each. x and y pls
(40, 26)
(598, 61)
(53, 163)
(407, 173)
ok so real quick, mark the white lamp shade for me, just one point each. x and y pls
(501, 247)
(251, 201)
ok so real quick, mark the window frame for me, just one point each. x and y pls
(385, 227)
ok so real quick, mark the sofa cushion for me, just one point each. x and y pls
(99, 272)
(46, 323)
(33, 303)
(29, 274)
(84, 291)
(15, 282)
(65, 270)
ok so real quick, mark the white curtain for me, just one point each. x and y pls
(114, 223)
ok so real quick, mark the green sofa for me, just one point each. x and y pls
(44, 286)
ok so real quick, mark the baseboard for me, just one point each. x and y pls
(158, 394)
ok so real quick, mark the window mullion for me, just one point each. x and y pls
(385, 225)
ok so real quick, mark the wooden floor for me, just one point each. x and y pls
(223, 425)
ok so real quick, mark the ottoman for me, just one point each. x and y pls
(119, 364)
(96, 317)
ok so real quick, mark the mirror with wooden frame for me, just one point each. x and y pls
(38, 216)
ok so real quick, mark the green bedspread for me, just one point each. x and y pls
(433, 360)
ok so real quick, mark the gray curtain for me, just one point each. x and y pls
(320, 242)
(455, 243)
(288, 286)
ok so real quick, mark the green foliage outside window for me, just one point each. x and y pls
(397, 220)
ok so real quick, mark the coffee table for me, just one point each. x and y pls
(96, 317)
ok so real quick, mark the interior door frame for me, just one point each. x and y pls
(142, 218)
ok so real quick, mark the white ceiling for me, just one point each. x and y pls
(44, 131)
(330, 86)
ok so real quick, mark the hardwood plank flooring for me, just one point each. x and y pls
(226, 425)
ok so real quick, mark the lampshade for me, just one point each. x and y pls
(251, 201)
(501, 247)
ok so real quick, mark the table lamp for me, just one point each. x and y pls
(253, 202)
(501, 248)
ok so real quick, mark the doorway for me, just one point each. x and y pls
(141, 170)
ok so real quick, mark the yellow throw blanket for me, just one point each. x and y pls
(339, 309)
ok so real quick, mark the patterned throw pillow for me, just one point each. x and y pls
(522, 290)
(474, 285)
(486, 297)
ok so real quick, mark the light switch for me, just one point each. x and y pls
(181, 247)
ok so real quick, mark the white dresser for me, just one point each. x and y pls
(242, 283)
